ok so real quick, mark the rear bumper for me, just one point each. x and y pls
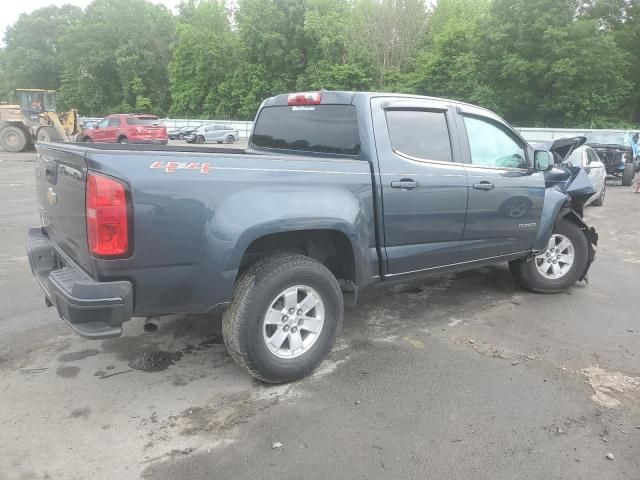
(93, 309)
(149, 141)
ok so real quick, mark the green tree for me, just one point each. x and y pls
(205, 55)
(449, 65)
(390, 33)
(333, 61)
(32, 53)
(116, 58)
(553, 69)
(622, 19)
(272, 33)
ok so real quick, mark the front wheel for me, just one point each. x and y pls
(230, 139)
(199, 139)
(285, 316)
(48, 134)
(559, 266)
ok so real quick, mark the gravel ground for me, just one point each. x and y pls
(464, 377)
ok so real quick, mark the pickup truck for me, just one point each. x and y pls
(337, 191)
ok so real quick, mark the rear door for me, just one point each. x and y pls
(60, 190)
(505, 196)
(424, 185)
(112, 130)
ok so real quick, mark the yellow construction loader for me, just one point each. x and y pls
(33, 118)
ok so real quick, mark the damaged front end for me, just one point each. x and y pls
(568, 188)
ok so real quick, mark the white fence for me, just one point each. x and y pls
(546, 134)
(244, 128)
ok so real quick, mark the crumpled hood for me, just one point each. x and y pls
(562, 147)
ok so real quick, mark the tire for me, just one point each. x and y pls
(48, 134)
(598, 202)
(260, 290)
(230, 139)
(123, 140)
(200, 139)
(87, 140)
(527, 273)
(627, 174)
(13, 139)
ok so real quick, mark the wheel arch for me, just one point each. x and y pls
(554, 201)
(332, 247)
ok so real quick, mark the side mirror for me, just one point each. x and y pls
(543, 161)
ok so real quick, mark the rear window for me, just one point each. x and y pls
(143, 121)
(309, 128)
(420, 134)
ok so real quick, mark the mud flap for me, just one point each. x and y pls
(592, 237)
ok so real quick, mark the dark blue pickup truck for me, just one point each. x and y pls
(336, 191)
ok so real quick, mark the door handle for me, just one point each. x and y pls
(405, 184)
(484, 186)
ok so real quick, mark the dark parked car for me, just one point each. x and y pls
(178, 133)
(615, 151)
(336, 192)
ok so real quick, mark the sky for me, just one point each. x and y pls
(11, 9)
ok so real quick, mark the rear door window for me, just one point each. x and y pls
(309, 128)
(420, 134)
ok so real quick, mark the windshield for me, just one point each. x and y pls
(607, 138)
(576, 157)
(310, 128)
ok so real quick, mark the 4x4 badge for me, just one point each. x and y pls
(170, 167)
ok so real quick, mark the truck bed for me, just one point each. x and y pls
(195, 212)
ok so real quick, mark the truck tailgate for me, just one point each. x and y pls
(60, 187)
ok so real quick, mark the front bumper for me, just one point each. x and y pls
(93, 309)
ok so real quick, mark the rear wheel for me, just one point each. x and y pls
(13, 139)
(627, 174)
(598, 202)
(559, 266)
(123, 140)
(199, 139)
(284, 318)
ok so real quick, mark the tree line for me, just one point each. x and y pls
(552, 63)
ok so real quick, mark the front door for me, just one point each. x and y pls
(424, 185)
(505, 195)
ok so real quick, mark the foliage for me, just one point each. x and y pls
(32, 55)
(204, 55)
(115, 58)
(537, 62)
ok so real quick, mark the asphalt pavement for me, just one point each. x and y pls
(458, 377)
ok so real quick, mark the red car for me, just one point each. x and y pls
(128, 128)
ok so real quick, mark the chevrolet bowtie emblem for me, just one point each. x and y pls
(52, 196)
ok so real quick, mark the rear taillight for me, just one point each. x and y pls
(304, 98)
(108, 223)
